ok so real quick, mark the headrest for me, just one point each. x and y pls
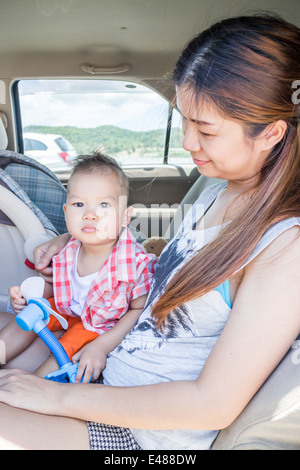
(3, 134)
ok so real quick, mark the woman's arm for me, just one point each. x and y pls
(264, 322)
(44, 253)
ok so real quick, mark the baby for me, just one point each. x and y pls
(101, 274)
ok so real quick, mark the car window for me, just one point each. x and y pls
(32, 144)
(126, 120)
(63, 144)
(177, 154)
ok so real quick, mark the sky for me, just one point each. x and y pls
(91, 103)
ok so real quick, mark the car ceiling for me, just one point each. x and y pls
(53, 37)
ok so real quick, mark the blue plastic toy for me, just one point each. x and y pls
(34, 317)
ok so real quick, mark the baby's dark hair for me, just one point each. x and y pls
(104, 164)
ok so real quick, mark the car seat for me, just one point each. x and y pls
(271, 421)
(31, 200)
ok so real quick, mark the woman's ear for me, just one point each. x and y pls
(127, 216)
(274, 133)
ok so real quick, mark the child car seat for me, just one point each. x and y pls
(41, 186)
(31, 200)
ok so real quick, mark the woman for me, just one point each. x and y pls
(223, 308)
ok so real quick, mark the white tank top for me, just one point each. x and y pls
(148, 356)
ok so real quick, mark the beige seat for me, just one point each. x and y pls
(271, 421)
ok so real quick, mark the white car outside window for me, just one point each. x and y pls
(52, 150)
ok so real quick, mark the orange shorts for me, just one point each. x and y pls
(75, 337)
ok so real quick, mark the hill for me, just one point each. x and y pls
(110, 139)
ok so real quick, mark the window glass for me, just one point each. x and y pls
(177, 154)
(63, 144)
(125, 120)
(37, 145)
(27, 144)
(31, 144)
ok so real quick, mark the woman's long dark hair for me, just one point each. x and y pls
(247, 67)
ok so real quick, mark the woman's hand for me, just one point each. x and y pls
(23, 390)
(44, 253)
(92, 361)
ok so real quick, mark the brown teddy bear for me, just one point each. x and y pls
(155, 245)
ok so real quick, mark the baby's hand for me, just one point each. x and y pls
(16, 299)
(92, 360)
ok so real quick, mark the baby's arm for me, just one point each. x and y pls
(16, 299)
(18, 302)
(48, 290)
(92, 358)
(114, 336)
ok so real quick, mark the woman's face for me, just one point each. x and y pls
(218, 145)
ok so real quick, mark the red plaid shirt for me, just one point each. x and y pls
(126, 275)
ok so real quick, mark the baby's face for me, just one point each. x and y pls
(95, 209)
